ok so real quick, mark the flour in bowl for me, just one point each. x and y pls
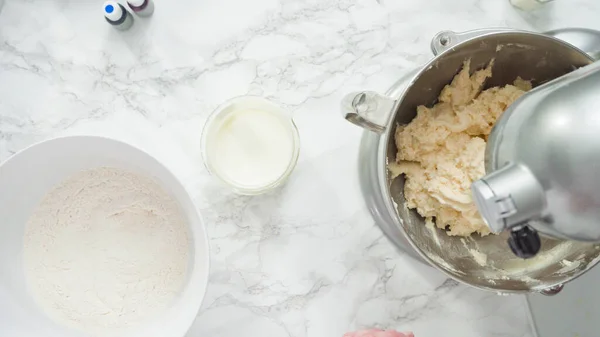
(105, 250)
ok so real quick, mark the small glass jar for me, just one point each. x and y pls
(250, 144)
(528, 5)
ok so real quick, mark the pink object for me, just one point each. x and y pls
(378, 333)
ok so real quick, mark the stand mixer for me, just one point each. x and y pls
(543, 165)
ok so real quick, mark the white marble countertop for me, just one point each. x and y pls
(307, 261)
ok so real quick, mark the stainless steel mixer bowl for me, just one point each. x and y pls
(482, 262)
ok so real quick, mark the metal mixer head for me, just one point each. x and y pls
(543, 164)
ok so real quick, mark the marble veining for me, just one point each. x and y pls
(306, 261)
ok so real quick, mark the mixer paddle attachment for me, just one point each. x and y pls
(524, 242)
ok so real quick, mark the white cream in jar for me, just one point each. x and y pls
(250, 144)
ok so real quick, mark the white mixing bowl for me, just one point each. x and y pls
(28, 175)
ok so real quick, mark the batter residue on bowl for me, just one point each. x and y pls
(441, 151)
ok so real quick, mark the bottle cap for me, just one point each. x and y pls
(112, 11)
(136, 3)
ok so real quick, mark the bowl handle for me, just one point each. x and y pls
(368, 110)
